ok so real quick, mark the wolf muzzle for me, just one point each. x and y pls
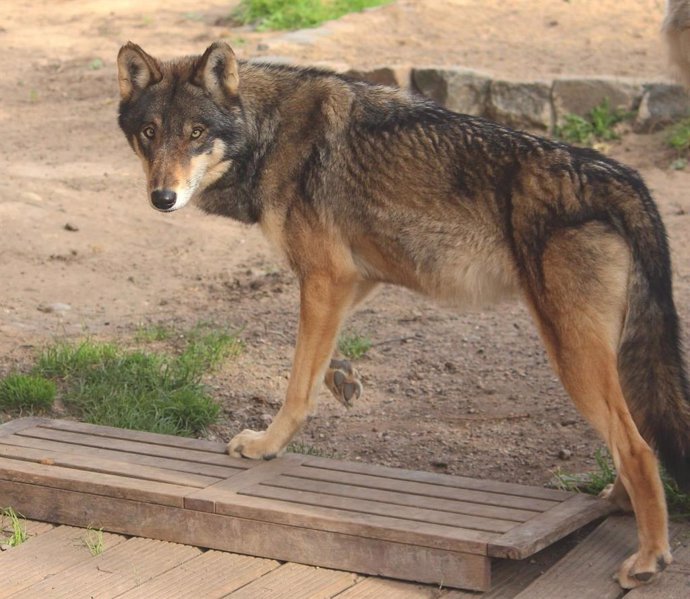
(163, 199)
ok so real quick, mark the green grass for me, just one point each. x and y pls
(150, 333)
(104, 383)
(304, 449)
(26, 392)
(598, 126)
(678, 137)
(93, 541)
(297, 14)
(353, 346)
(11, 522)
(590, 482)
(594, 483)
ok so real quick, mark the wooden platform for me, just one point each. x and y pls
(416, 526)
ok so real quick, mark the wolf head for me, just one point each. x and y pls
(182, 118)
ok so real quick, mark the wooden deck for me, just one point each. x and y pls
(184, 494)
(56, 563)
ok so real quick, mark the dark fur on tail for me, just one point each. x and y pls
(650, 358)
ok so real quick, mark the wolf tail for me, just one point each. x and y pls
(650, 358)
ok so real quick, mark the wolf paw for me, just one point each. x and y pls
(256, 445)
(343, 382)
(617, 495)
(642, 568)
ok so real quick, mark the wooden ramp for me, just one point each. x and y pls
(417, 526)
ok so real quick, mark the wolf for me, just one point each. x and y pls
(359, 185)
(676, 29)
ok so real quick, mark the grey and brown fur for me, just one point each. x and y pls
(676, 28)
(358, 185)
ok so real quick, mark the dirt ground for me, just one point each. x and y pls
(83, 253)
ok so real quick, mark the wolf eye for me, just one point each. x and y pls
(149, 132)
(196, 132)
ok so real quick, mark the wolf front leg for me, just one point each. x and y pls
(324, 302)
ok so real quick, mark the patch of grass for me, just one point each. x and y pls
(96, 64)
(11, 522)
(26, 392)
(209, 346)
(590, 482)
(93, 541)
(594, 483)
(354, 346)
(304, 449)
(149, 333)
(105, 384)
(678, 139)
(598, 126)
(297, 14)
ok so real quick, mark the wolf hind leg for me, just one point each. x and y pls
(579, 309)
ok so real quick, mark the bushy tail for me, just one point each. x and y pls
(650, 361)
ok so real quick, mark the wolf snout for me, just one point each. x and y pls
(163, 199)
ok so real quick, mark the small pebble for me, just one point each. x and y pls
(57, 308)
(565, 454)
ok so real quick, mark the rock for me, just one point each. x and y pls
(392, 76)
(57, 308)
(565, 454)
(573, 95)
(71, 228)
(460, 90)
(661, 105)
(522, 105)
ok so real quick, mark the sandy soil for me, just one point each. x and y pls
(469, 394)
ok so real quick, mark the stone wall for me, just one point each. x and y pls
(536, 105)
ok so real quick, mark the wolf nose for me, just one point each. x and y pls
(163, 199)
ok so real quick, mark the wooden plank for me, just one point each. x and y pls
(34, 528)
(587, 571)
(673, 583)
(510, 577)
(437, 479)
(427, 489)
(96, 483)
(123, 456)
(376, 508)
(267, 539)
(406, 499)
(437, 536)
(92, 463)
(533, 535)
(42, 557)
(86, 440)
(382, 588)
(19, 424)
(295, 581)
(132, 435)
(211, 575)
(205, 499)
(113, 572)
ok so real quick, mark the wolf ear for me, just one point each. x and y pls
(136, 70)
(216, 72)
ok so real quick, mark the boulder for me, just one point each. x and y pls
(521, 105)
(460, 90)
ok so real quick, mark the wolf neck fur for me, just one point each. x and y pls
(281, 125)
